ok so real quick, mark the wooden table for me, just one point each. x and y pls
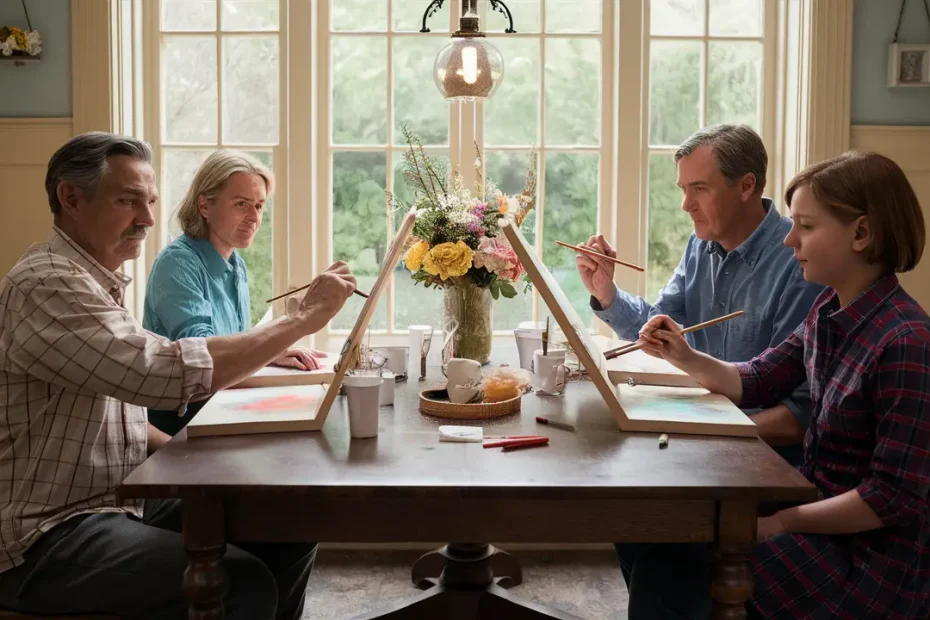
(593, 485)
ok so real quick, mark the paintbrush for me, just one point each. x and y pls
(297, 290)
(636, 346)
(599, 255)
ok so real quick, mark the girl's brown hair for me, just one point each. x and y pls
(856, 184)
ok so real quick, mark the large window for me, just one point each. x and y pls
(601, 91)
(219, 88)
(378, 69)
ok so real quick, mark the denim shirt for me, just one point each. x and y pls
(760, 277)
(193, 291)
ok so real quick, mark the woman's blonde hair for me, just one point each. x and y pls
(855, 184)
(210, 180)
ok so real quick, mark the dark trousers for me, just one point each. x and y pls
(116, 564)
(669, 581)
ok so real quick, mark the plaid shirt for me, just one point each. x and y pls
(76, 373)
(868, 365)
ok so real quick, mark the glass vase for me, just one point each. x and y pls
(467, 320)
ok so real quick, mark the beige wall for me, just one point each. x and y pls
(909, 146)
(25, 147)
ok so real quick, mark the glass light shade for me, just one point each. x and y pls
(468, 69)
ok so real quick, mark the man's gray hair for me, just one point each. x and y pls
(738, 149)
(82, 160)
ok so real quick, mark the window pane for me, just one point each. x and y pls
(189, 78)
(733, 83)
(736, 18)
(508, 171)
(674, 91)
(407, 16)
(359, 104)
(676, 17)
(416, 101)
(570, 215)
(511, 116)
(525, 17)
(669, 226)
(573, 91)
(360, 15)
(188, 15)
(573, 15)
(360, 228)
(259, 257)
(250, 14)
(250, 89)
(179, 169)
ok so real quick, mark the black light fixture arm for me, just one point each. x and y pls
(497, 5)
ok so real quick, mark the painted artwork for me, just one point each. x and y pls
(681, 404)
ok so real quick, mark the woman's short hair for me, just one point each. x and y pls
(209, 182)
(858, 183)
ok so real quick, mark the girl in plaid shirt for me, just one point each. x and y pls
(863, 550)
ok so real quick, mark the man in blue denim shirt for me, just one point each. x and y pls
(735, 260)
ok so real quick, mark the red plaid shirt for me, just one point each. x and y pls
(76, 373)
(868, 365)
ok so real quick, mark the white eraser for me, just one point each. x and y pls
(469, 434)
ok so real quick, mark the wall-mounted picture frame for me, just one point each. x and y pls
(909, 65)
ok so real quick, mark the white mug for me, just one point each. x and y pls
(397, 358)
(551, 371)
(462, 372)
(362, 396)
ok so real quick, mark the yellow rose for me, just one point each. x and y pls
(414, 258)
(502, 205)
(448, 260)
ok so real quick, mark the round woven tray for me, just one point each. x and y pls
(435, 402)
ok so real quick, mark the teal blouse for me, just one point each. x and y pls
(193, 292)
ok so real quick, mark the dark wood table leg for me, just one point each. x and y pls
(467, 588)
(204, 540)
(428, 567)
(736, 538)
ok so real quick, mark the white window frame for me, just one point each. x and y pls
(817, 127)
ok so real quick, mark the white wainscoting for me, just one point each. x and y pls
(909, 146)
(26, 144)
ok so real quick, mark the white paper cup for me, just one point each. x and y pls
(417, 334)
(363, 395)
(528, 340)
(387, 388)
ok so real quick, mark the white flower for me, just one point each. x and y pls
(7, 47)
(477, 162)
(33, 43)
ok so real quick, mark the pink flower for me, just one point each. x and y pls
(497, 257)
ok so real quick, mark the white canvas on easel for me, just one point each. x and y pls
(295, 407)
(643, 408)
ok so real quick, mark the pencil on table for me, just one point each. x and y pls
(636, 346)
(599, 255)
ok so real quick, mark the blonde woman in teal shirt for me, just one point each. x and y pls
(198, 285)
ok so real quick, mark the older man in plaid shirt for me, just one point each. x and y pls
(76, 374)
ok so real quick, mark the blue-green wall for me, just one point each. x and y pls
(873, 103)
(39, 89)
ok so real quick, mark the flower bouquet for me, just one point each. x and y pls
(457, 244)
(17, 42)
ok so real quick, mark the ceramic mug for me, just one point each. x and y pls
(463, 372)
(551, 371)
(528, 340)
(397, 359)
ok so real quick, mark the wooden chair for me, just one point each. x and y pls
(15, 615)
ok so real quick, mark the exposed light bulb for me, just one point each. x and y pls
(469, 64)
